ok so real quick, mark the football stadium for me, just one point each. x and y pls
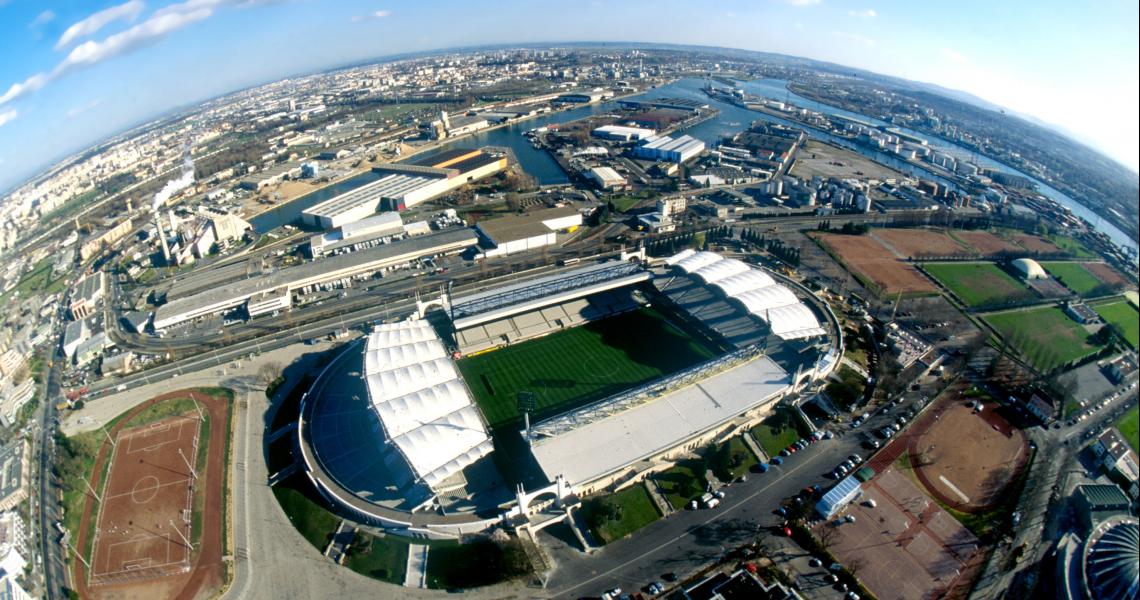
(498, 404)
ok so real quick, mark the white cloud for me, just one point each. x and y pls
(866, 13)
(802, 2)
(147, 32)
(27, 86)
(42, 19)
(7, 116)
(157, 26)
(380, 14)
(954, 56)
(128, 11)
(78, 110)
(854, 38)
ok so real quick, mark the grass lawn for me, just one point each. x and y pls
(1074, 276)
(37, 280)
(314, 522)
(579, 365)
(627, 201)
(1071, 245)
(1129, 426)
(848, 390)
(732, 459)
(455, 566)
(1124, 317)
(379, 557)
(979, 284)
(776, 432)
(683, 482)
(1046, 337)
(617, 515)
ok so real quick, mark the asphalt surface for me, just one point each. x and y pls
(688, 540)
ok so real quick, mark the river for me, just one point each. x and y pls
(731, 119)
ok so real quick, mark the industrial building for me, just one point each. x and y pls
(519, 233)
(97, 242)
(621, 133)
(271, 176)
(606, 178)
(404, 185)
(589, 97)
(358, 232)
(86, 294)
(265, 290)
(669, 149)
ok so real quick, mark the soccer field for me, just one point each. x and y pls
(1124, 317)
(979, 284)
(576, 366)
(1046, 337)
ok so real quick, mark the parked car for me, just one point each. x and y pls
(776, 460)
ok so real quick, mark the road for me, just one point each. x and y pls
(48, 512)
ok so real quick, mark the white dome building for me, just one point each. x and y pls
(1029, 269)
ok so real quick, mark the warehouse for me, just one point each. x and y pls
(215, 300)
(404, 185)
(270, 176)
(526, 232)
(621, 133)
(606, 178)
(364, 230)
(667, 148)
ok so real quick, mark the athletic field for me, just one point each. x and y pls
(1076, 277)
(979, 284)
(1124, 316)
(1046, 337)
(579, 365)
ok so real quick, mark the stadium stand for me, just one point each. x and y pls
(424, 408)
(755, 291)
(537, 323)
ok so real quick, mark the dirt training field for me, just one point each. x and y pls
(868, 259)
(986, 243)
(964, 458)
(151, 503)
(1035, 244)
(145, 514)
(914, 243)
(1106, 274)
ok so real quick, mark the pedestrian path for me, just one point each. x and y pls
(416, 573)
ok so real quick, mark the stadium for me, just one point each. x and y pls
(497, 405)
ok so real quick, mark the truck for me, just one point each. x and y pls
(710, 501)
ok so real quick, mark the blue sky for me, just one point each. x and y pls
(72, 73)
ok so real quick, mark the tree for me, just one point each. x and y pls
(268, 372)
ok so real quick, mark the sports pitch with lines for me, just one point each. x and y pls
(579, 365)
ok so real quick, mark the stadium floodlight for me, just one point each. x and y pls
(526, 404)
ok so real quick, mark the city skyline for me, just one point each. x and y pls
(85, 76)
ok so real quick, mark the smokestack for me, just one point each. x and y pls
(162, 237)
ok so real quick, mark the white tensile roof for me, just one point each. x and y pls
(697, 260)
(792, 322)
(678, 257)
(766, 298)
(756, 290)
(743, 282)
(424, 408)
(386, 358)
(721, 269)
(404, 332)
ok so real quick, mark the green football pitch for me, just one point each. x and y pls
(577, 366)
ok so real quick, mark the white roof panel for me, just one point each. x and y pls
(678, 257)
(721, 269)
(743, 282)
(698, 260)
(767, 298)
(424, 408)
